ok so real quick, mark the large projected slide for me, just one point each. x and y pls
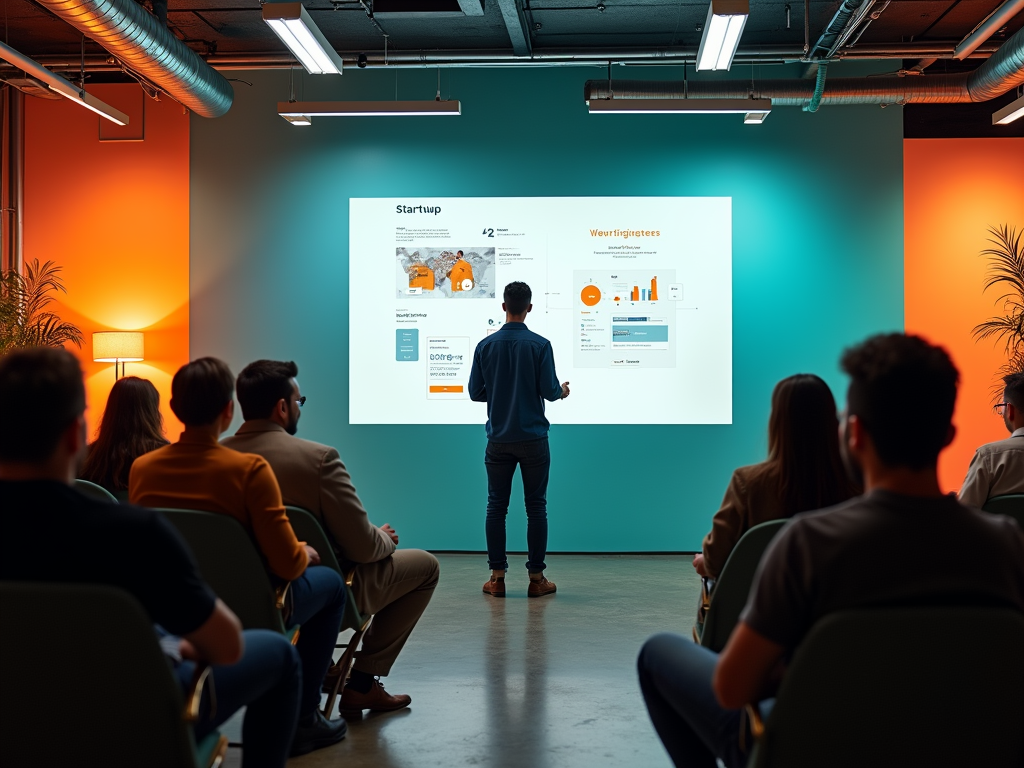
(635, 294)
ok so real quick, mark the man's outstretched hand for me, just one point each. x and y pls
(390, 532)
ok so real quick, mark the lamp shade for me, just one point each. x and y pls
(118, 346)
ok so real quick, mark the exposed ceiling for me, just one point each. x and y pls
(541, 31)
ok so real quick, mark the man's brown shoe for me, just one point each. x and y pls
(540, 587)
(495, 587)
(376, 700)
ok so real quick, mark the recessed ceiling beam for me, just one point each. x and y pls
(516, 26)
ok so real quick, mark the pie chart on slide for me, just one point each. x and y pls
(590, 295)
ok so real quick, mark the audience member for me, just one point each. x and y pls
(131, 426)
(199, 473)
(393, 585)
(53, 534)
(997, 468)
(804, 470)
(890, 546)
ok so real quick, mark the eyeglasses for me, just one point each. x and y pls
(301, 401)
(1000, 408)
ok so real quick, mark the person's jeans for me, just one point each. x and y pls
(318, 602)
(267, 681)
(675, 678)
(534, 460)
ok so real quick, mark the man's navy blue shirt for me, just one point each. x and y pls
(513, 369)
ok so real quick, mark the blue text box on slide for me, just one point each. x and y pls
(640, 333)
(407, 345)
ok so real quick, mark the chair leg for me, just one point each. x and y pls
(343, 667)
(219, 752)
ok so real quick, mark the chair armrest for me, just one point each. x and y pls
(705, 592)
(756, 723)
(195, 693)
(281, 594)
(350, 576)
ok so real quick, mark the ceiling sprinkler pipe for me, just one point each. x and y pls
(987, 28)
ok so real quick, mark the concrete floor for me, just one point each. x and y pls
(540, 683)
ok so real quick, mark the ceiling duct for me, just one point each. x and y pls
(1003, 71)
(138, 39)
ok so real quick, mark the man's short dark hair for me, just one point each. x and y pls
(200, 390)
(903, 389)
(1013, 391)
(42, 392)
(517, 297)
(262, 384)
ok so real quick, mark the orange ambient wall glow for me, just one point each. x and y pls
(954, 190)
(115, 216)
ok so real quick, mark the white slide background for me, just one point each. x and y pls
(547, 243)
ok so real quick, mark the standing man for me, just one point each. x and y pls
(997, 469)
(514, 372)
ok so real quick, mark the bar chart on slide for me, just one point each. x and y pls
(645, 294)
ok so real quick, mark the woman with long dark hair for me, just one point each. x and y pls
(804, 470)
(131, 426)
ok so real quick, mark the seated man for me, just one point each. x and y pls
(53, 533)
(998, 468)
(199, 473)
(394, 585)
(828, 560)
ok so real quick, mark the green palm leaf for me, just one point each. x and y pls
(1005, 271)
(25, 320)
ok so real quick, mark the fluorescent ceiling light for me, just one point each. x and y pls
(1009, 113)
(721, 35)
(296, 111)
(755, 118)
(681, 106)
(296, 28)
(90, 102)
(58, 84)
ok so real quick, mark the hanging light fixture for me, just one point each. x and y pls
(754, 110)
(297, 30)
(721, 34)
(302, 112)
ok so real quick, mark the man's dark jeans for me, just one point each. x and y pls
(268, 682)
(318, 603)
(534, 461)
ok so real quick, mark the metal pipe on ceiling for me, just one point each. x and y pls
(1003, 71)
(988, 27)
(12, 194)
(136, 38)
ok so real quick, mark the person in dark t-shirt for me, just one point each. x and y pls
(52, 533)
(888, 547)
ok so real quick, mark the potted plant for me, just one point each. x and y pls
(25, 319)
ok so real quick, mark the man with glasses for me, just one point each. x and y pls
(394, 585)
(998, 468)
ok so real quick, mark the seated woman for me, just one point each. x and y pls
(804, 470)
(131, 426)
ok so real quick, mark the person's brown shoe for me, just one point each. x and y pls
(376, 700)
(495, 587)
(540, 587)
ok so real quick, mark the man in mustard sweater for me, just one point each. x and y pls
(199, 473)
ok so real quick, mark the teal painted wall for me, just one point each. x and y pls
(817, 265)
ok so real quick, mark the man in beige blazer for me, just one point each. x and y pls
(394, 585)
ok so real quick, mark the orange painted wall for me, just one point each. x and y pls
(115, 216)
(954, 190)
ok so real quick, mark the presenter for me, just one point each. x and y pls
(514, 372)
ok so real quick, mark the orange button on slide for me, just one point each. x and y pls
(446, 388)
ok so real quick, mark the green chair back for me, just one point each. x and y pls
(308, 529)
(902, 687)
(734, 582)
(128, 708)
(94, 491)
(231, 565)
(1011, 505)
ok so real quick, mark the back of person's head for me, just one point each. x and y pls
(1013, 390)
(201, 390)
(43, 393)
(903, 390)
(261, 385)
(517, 298)
(803, 443)
(131, 426)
